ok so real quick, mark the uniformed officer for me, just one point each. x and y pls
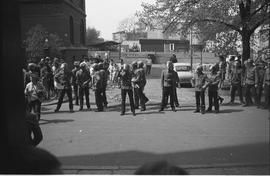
(168, 80)
(213, 81)
(249, 82)
(97, 87)
(259, 76)
(236, 78)
(199, 81)
(126, 88)
(104, 76)
(83, 79)
(74, 82)
(266, 84)
(64, 78)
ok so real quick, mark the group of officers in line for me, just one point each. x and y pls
(44, 78)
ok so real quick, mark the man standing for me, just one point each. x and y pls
(83, 79)
(249, 82)
(173, 59)
(266, 83)
(74, 81)
(134, 67)
(104, 76)
(97, 87)
(126, 88)
(259, 76)
(168, 80)
(64, 78)
(148, 65)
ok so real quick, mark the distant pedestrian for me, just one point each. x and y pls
(149, 63)
(74, 81)
(173, 59)
(259, 77)
(104, 76)
(266, 84)
(97, 83)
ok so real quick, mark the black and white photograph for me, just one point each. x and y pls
(135, 87)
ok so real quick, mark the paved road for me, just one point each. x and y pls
(236, 135)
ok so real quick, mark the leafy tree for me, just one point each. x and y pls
(93, 36)
(131, 24)
(38, 40)
(242, 16)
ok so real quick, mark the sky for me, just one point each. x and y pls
(105, 15)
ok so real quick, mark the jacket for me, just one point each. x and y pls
(199, 81)
(83, 78)
(64, 78)
(169, 78)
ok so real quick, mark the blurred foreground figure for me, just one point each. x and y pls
(28, 160)
(160, 168)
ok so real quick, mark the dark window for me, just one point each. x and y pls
(82, 4)
(82, 32)
(71, 30)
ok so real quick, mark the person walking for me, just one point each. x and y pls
(83, 79)
(64, 79)
(74, 81)
(168, 80)
(199, 81)
(149, 63)
(126, 88)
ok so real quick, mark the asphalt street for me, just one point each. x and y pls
(237, 135)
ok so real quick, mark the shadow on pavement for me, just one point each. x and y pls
(59, 112)
(43, 121)
(257, 153)
(223, 111)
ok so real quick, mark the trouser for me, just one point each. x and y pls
(36, 107)
(176, 102)
(213, 95)
(166, 93)
(124, 93)
(35, 131)
(148, 69)
(238, 88)
(75, 86)
(200, 100)
(259, 90)
(249, 91)
(141, 98)
(104, 97)
(136, 98)
(84, 91)
(61, 96)
(99, 99)
(266, 96)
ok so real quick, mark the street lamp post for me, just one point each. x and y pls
(191, 50)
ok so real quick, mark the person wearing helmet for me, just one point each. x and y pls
(266, 85)
(168, 83)
(199, 81)
(83, 79)
(74, 81)
(104, 76)
(126, 88)
(249, 82)
(259, 76)
(64, 78)
(213, 81)
(97, 83)
(236, 78)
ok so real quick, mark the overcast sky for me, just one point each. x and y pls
(105, 15)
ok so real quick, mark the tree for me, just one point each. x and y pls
(242, 16)
(38, 40)
(131, 24)
(93, 36)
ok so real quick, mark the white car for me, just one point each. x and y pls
(184, 72)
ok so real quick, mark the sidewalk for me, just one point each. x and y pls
(221, 169)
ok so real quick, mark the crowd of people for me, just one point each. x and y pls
(47, 80)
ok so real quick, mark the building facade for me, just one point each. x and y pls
(66, 18)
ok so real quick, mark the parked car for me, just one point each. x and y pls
(184, 72)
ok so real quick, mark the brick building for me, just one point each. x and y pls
(66, 18)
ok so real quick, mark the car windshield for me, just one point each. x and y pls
(182, 68)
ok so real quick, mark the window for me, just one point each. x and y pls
(71, 30)
(182, 68)
(82, 32)
(171, 46)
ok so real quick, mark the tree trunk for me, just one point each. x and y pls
(245, 45)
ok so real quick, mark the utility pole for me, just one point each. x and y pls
(191, 50)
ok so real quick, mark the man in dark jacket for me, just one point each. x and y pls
(168, 80)
(64, 78)
(83, 79)
(74, 82)
(173, 59)
(104, 76)
(259, 76)
(126, 88)
(98, 87)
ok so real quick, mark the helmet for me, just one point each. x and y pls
(199, 68)
(126, 67)
(140, 64)
(32, 66)
(63, 65)
(95, 67)
(82, 64)
(134, 64)
(76, 63)
(213, 67)
(100, 65)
